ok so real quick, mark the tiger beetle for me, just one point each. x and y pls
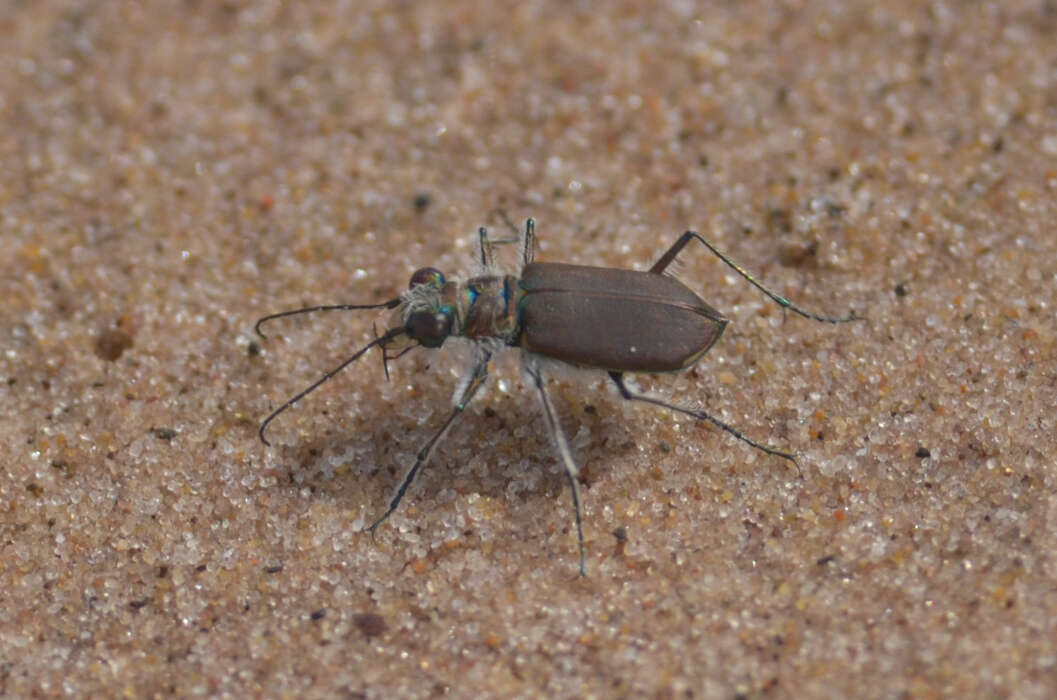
(598, 318)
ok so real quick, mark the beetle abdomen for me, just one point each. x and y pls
(619, 320)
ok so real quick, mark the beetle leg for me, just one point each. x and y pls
(571, 470)
(487, 251)
(618, 379)
(462, 398)
(669, 256)
(528, 242)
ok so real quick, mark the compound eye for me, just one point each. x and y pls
(426, 275)
(429, 328)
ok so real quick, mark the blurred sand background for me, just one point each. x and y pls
(174, 170)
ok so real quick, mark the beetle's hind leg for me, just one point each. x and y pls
(618, 379)
(670, 255)
(571, 470)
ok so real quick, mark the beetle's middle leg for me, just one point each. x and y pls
(618, 379)
(562, 446)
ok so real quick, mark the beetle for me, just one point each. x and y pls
(597, 318)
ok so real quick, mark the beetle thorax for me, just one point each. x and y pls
(492, 308)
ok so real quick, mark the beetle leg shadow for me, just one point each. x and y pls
(618, 379)
(558, 436)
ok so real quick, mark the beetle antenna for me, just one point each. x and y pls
(381, 340)
(391, 304)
